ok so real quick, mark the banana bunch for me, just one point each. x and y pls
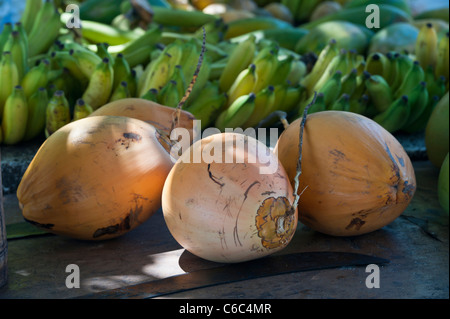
(301, 10)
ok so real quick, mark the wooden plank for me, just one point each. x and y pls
(3, 244)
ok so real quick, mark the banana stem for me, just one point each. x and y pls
(299, 162)
(281, 115)
(177, 113)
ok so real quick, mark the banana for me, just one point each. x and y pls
(179, 79)
(189, 58)
(404, 65)
(215, 30)
(264, 105)
(15, 114)
(421, 122)
(100, 85)
(442, 64)
(120, 92)
(37, 106)
(331, 89)
(35, 78)
(5, 34)
(282, 70)
(243, 26)
(378, 64)
(415, 75)
(266, 64)
(29, 14)
(121, 69)
(65, 60)
(438, 87)
(239, 60)
(18, 26)
(45, 29)
(244, 84)
(102, 52)
(132, 83)
(341, 104)
(97, 32)
(426, 49)
(324, 59)
(87, 61)
(305, 10)
(57, 114)
(202, 78)
(81, 110)
(181, 18)
(9, 78)
(297, 72)
(237, 113)
(16, 45)
(208, 104)
(338, 63)
(157, 74)
(349, 82)
(168, 95)
(393, 67)
(291, 99)
(359, 106)
(418, 100)
(151, 95)
(395, 116)
(379, 91)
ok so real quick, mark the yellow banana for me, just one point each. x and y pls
(157, 74)
(243, 84)
(35, 78)
(45, 29)
(264, 105)
(121, 69)
(338, 63)
(9, 78)
(442, 64)
(426, 50)
(86, 60)
(237, 114)
(266, 63)
(207, 105)
(120, 92)
(379, 92)
(100, 85)
(65, 60)
(37, 106)
(57, 114)
(15, 114)
(81, 110)
(395, 116)
(16, 45)
(239, 60)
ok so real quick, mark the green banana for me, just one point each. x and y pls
(18, 26)
(442, 64)
(16, 45)
(297, 72)
(342, 103)
(100, 85)
(120, 92)
(189, 59)
(243, 26)
(292, 99)
(151, 95)
(420, 123)
(359, 106)
(243, 84)
(418, 100)
(415, 75)
(5, 34)
(181, 18)
(15, 114)
(9, 78)
(393, 68)
(102, 52)
(264, 105)
(65, 60)
(207, 105)
(35, 78)
(318, 106)
(37, 106)
(237, 113)
(132, 83)
(29, 14)
(168, 95)
(426, 49)
(81, 110)
(378, 64)
(214, 29)
(395, 116)
(324, 59)
(305, 10)
(57, 114)
(379, 91)
(438, 87)
(121, 69)
(87, 61)
(239, 59)
(97, 32)
(202, 78)
(349, 82)
(175, 50)
(282, 70)
(338, 63)
(45, 29)
(404, 65)
(179, 79)
(332, 88)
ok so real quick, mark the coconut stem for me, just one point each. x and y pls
(177, 113)
(282, 116)
(299, 162)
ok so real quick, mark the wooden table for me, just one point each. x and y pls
(416, 244)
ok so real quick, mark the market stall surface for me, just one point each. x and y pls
(416, 245)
